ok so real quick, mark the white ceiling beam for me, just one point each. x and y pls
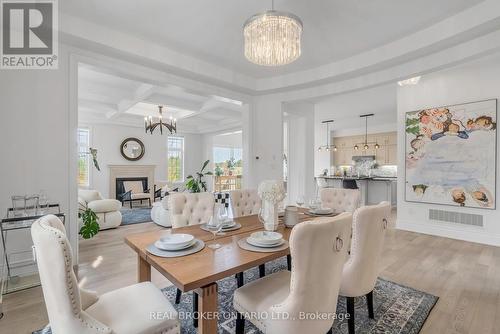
(143, 92)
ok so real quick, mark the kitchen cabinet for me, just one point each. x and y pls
(386, 154)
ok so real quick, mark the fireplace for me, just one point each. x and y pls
(130, 172)
(120, 188)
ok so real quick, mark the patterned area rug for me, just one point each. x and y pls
(398, 309)
(135, 215)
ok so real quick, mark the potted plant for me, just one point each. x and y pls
(90, 226)
(197, 184)
(230, 165)
(218, 171)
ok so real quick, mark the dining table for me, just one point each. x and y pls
(199, 272)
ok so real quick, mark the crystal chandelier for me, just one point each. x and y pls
(272, 38)
(150, 125)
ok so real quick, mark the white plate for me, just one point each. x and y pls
(268, 238)
(158, 244)
(177, 240)
(228, 224)
(256, 243)
(323, 211)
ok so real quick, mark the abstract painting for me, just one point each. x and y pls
(451, 155)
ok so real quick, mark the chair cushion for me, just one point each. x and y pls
(258, 296)
(89, 195)
(105, 205)
(133, 186)
(140, 195)
(136, 309)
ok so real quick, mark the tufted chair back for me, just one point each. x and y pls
(245, 202)
(341, 200)
(361, 270)
(60, 288)
(319, 250)
(190, 208)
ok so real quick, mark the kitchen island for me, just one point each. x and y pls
(374, 189)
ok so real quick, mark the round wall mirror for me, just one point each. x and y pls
(132, 149)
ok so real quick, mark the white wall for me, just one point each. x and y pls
(300, 121)
(36, 134)
(107, 138)
(475, 81)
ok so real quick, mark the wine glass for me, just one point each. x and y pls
(300, 201)
(314, 204)
(214, 226)
(43, 201)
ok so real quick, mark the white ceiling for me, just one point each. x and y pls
(105, 97)
(212, 30)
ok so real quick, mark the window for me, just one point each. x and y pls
(228, 168)
(83, 157)
(175, 155)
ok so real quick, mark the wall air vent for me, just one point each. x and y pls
(456, 217)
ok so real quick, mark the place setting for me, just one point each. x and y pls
(317, 210)
(175, 245)
(265, 241)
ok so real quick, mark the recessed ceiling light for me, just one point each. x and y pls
(411, 81)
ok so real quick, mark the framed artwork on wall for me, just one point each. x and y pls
(450, 155)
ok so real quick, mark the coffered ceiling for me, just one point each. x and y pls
(104, 97)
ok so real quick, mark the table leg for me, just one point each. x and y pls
(207, 306)
(143, 270)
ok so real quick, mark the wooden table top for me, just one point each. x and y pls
(207, 266)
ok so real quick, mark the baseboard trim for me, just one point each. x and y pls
(468, 233)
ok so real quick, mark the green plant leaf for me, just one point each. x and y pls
(90, 225)
(204, 165)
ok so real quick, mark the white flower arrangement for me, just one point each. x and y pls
(272, 191)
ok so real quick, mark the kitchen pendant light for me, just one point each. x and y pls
(328, 146)
(365, 143)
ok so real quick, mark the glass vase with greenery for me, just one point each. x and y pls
(197, 184)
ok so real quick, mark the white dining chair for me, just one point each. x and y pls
(72, 309)
(275, 303)
(362, 268)
(244, 202)
(190, 208)
(339, 199)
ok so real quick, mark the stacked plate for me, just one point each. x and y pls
(321, 212)
(228, 224)
(266, 239)
(175, 242)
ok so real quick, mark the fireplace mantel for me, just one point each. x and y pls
(124, 171)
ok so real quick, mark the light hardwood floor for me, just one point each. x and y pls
(465, 276)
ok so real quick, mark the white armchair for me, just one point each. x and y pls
(190, 208)
(312, 286)
(361, 270)
(107, 210)
(74, 310)
(244, 202)
(341, 200)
